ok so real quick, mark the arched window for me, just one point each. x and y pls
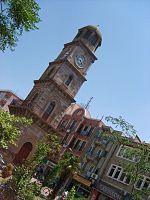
(34, 96)
(50, 72)
(93, 39)
(69, 80)
(87, 34)
(49, 110)
(80, 129)
(23, 153)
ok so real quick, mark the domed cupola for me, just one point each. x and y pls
(91, 37)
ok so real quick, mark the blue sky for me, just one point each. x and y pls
(119, 81)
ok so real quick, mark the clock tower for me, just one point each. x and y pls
(55, 90)
(58, 85)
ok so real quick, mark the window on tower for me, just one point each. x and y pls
(69, 80)
(49, 110)
(50, 72)
(34, 97)
(93, 39)
(87, 34)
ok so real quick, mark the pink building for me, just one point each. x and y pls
(78, 129)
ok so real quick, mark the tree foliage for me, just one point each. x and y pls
(10, 128)
(48, 147)
(21, 184)
(16, 16)
(66, 167)
(137, 154)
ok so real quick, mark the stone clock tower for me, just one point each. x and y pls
(58, 85)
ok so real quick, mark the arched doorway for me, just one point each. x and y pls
(23, 153)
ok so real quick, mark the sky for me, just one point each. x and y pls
(118, 81)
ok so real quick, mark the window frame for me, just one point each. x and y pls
(69, 80)
(46, 110)
(119, 175)
(128, 159)
(143, 182)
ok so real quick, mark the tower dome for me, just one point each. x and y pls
(91, 36)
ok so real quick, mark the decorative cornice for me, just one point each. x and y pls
(80, 42)
(26, 112)
(49, 81)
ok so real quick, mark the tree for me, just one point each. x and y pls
(10, 128)
(47, 148)
(20, 184)
(66, 167)
(71, 194)
(137, 154)
(16, 16)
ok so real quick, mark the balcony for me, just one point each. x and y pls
(90, 156)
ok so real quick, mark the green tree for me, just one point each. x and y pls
(20, 184)
(47, 148)
(64, 170)
(137, 163)
(10, 128)
(16, 16)
(71, 194)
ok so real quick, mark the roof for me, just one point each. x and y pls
(94, 28)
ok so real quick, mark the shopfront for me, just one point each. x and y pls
(104, 191)
(82, 186)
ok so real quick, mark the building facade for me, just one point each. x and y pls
(54, 91)
(8, 97)
(78, 129)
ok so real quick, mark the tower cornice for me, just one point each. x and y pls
(65, 60)
(81, 42)
(59, 86)
(19, 110)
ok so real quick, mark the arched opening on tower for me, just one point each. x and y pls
(23, 153)
(69, 80)
(49, 110)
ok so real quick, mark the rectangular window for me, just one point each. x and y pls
(91, 168)
(119, 174)
(82, 146)
(112, 171)
(128, 153)
(63, 124)
(72, 125)
(143, 183)
(72, 142)
(90, 150)
(77, 144)
(84, 131)
(90, 131)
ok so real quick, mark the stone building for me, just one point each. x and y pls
(54, 91)
(7, 97)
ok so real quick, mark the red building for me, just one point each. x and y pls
(78, 128)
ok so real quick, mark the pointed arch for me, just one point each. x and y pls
(49, 110)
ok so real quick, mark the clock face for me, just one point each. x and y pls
(80, 61)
